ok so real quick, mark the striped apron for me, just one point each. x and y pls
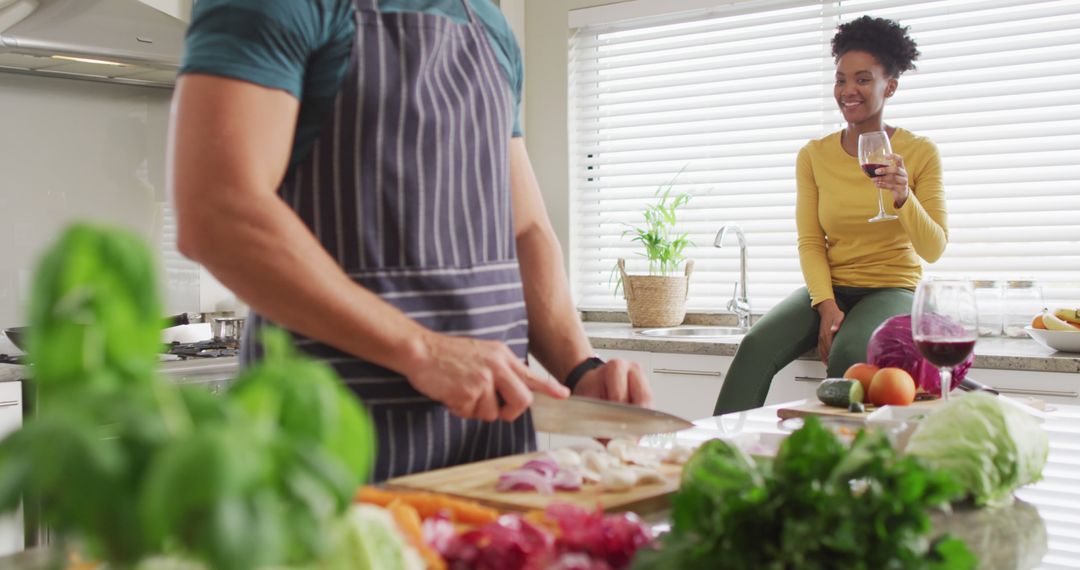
(408, 188)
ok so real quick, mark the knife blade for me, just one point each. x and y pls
(971, 385)
(579, 415)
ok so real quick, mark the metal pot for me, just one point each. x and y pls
(17, 336)
(227, 329)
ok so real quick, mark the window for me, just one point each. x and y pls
(724, 97)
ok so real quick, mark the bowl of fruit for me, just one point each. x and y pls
(1058, 329)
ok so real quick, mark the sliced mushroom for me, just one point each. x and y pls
(619, 479)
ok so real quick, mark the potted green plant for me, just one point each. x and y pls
(658, 299)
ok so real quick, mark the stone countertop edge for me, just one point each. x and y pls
(990, 353)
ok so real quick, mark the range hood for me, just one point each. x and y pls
(122, 41)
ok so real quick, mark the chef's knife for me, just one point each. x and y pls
(578, 415)
(971, 385)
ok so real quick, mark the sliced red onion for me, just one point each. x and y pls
(543, 466)
(525, 480)
(568, 480)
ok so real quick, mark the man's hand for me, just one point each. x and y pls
(470, 377)
(618, 381)
(831, 318)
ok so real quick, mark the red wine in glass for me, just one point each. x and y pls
(874, 151)
(871, 168)
(944, 325)
(948, 353)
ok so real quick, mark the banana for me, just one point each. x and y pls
(1068, 315)
(1054, 323)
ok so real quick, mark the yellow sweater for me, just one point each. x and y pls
(837, 246)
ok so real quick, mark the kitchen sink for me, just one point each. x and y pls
(694, 333)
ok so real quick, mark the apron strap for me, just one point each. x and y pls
(366, 5)
(469, 11)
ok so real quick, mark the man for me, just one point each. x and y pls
(354, 170)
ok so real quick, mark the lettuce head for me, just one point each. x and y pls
(989, 446)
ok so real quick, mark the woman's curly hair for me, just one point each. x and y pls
(884, 39)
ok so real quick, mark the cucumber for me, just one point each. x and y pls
(839, 392)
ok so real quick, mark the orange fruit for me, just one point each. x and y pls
(1037, 322)
(892, 387)
(862, 372)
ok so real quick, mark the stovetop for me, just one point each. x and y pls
(174, 351)
(203, 349)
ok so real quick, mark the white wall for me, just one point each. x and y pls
(74, 149)
(79, 150)
(178, 8)
(546, 134)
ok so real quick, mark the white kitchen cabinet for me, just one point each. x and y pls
(1050, 387)
(682, 384)
(644, 359)
(11, 413)
(687, 384)
(796, 381)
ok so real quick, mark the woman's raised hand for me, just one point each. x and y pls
(894, 179)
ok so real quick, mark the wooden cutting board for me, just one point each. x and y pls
(816, 408)
(476, 481)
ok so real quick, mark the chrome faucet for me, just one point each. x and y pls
(740, 302)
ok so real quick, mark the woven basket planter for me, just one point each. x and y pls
(655, 300)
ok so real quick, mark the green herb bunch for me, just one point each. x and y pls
(818, 505)
(130, 466)
(663, 249)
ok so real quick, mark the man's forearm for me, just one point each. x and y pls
(258, 248)
(556, 336)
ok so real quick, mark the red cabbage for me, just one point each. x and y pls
(511, 542)
(584, 540)
(612, 539)
(892, 345)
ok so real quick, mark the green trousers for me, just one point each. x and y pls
(790, 329)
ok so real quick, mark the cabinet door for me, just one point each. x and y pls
(1050, 387)
(796, 381)
(644, 359)
(687, 384)
(11, 410)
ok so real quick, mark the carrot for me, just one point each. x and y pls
(428, 505)
(408, 522)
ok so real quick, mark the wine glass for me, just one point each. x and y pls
(874, 151)
(944, 325)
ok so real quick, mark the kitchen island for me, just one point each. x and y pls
(1040, 530)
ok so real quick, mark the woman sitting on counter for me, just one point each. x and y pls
(858, 274)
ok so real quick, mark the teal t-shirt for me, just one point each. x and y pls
(303, 47)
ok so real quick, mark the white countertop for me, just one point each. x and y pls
(10, 372)
(990, 352)
(217, 371)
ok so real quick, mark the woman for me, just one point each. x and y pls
(857, 274)
(355, 171)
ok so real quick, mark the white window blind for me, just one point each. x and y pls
(725, 98)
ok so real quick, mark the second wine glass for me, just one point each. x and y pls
(874, 151)
(944, 325)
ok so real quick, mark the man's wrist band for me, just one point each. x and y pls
(578, 371)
